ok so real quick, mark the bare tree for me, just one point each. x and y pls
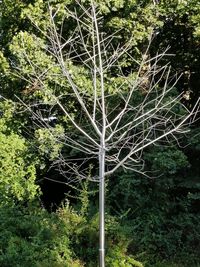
(116, 120)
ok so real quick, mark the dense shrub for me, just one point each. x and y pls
(32, 237)
(163, 212)
(84, 236)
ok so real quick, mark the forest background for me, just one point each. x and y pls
(149, 221)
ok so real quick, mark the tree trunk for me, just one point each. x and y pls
(102, 207)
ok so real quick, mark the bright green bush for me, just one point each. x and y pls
(17, 163)
(17, 169)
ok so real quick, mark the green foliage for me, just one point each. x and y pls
(85, 243)
(32, 237)
(4, 65)
(117, 259)
(28, 48)
(17, 173)
(47, 141)
(17, 168)
(84, 234)
(118, 239)
(162, 211)
(167, 160)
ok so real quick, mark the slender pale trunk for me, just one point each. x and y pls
(102, 147)
(102, 205)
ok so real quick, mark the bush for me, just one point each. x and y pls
(32, 237)
(85, 240)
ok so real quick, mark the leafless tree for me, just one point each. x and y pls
(116, 121)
